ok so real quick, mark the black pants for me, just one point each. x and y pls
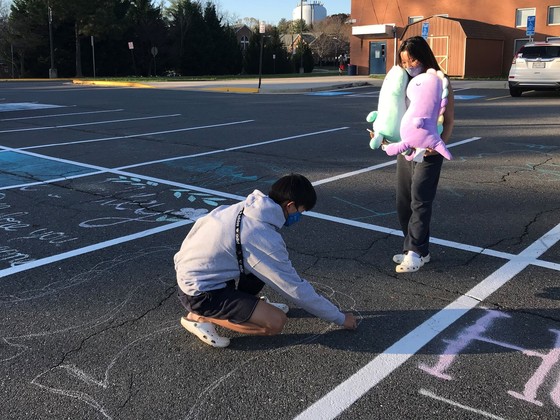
(416, 190)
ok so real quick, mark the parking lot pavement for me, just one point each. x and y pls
(99, 185)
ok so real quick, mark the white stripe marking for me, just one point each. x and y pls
(349, 391)
(179, 130)
(91, 248)
(18, 130)
(381, 165)
(456, 404)
(61, 115)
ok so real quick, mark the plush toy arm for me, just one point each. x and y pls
(376, 141)
(371, 117)
(442, 149)
(396, 148)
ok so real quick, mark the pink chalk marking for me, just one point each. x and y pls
(533, 384)
(464, 338)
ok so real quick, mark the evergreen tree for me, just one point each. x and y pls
(29, 24)
(188, 35)
(307, 61)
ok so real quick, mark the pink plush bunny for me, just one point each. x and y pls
(427, 94)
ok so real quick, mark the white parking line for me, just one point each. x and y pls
(91, 248)
(456, 404)
(61, 115)
(357, 385)
(52, 127)
(151, 133)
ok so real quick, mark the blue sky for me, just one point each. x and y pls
(271, 11)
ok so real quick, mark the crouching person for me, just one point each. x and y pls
(231, 253)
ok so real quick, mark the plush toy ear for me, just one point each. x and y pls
(431, 71)
(371, 117)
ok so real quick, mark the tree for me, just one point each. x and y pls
(223, 55)
(333, 38)
(147, 29)
(29, 36)
(305, 50)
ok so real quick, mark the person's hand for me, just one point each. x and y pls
(430, 152)
(350, 322)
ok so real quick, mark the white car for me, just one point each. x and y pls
(536, 66)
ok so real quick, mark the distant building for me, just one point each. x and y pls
(469, 39)
(310, 12)
(243, 34)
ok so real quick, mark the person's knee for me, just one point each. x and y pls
(276, 323)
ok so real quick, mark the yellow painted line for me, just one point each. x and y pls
(498, 97)
(108, 83)
(232, 89)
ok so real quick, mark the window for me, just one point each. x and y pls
(412, 19)
(553, 15)
(244, 42)
(544, 52)
(521, 16)
(518, 43)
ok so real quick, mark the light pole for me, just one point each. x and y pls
(52, 70)
(301, 36)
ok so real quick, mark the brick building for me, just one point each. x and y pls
(475, 38)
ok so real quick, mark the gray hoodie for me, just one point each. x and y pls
(207, 259)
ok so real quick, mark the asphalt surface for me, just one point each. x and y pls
(100, 184)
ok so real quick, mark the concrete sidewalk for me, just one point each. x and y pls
(286, 85)
(273, 85)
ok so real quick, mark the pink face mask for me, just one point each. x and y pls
(414, 71)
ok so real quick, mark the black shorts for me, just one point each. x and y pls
(237, 306)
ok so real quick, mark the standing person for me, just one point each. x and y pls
(242, 241)
(417, 182)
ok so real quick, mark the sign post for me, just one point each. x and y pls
(93, 54)
(262, 30)
(530, 27)
(154, 52)
(131, 48)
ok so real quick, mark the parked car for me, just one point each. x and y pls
(536, 66)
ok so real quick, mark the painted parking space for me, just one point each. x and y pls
(25, 106)
(22, 169)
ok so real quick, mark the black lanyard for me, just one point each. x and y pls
(238, 250)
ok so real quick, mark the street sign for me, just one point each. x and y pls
(425, 29)
(531, 25)
(262, 27)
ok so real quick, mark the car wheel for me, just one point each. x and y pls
(515, 92)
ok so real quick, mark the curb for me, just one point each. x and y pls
(107, 83)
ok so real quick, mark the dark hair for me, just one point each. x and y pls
(418, 48)
(296, 188)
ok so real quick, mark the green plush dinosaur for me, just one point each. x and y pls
(390, 108)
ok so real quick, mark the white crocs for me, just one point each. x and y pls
(206, 332)
(282, 306)
(410, 263)
(398, 258)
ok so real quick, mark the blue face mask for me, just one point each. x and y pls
(292, 218)
(414, 71)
